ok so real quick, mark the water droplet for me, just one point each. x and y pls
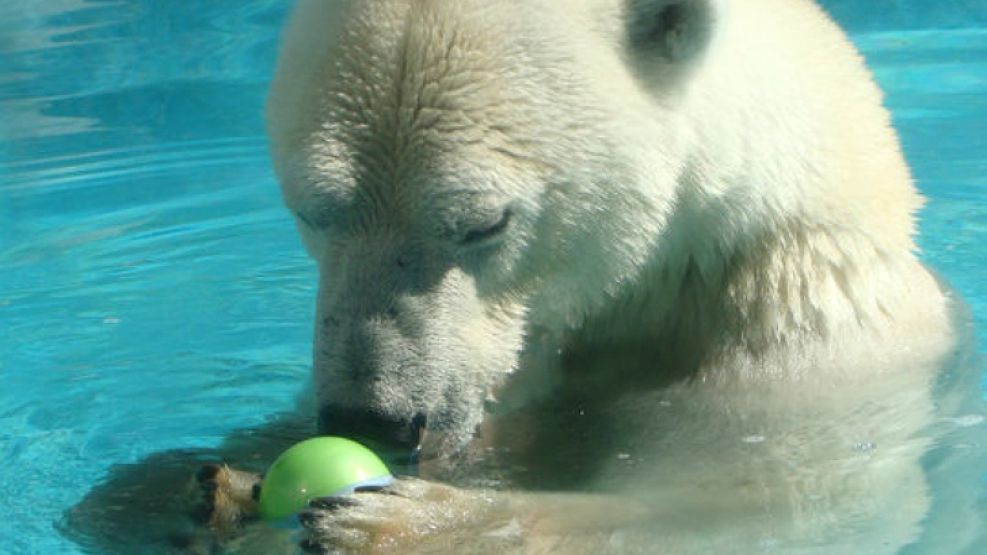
(864, 446)
(767, 543)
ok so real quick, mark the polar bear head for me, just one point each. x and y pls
(464, 172)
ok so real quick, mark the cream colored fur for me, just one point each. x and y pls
(717, 227)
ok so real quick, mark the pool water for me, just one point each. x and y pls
(154, 295)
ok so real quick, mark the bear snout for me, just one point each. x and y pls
(392, 437)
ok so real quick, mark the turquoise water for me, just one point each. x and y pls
(153, 293)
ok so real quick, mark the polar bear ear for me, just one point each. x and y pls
(664, 35)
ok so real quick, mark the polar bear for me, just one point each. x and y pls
(623, 275)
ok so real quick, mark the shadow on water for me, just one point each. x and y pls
(148, 507)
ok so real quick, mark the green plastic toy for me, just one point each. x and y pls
(318, 467)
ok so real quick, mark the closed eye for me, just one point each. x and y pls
(484, 233)
(304, 219)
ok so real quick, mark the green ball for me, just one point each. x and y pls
(318, 467)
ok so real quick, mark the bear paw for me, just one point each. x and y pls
(228, 496)
(409, 512)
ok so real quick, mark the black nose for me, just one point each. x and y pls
(380, 431)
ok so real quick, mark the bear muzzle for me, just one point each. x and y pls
(396, 440)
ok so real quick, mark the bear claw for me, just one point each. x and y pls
(208, 473)
(332, 503)
(227, 496)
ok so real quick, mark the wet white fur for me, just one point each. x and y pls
(741, 205)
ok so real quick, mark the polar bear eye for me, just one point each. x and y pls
(308, 222)
(486, 232)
